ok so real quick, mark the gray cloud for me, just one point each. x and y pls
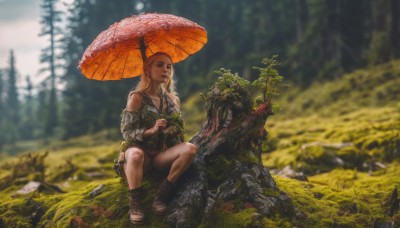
(13, 10)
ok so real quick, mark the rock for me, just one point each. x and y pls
(30, 187)
(96, 175)
(288, 172)
(338, 161)
(33, 186)
(380, 165)
(97, 191)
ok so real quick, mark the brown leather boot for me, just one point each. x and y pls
(162, 195)
(136, 214)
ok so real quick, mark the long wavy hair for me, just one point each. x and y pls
(145, 81)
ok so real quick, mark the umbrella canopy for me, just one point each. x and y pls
(119, 51)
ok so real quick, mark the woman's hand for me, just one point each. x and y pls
(159, 125)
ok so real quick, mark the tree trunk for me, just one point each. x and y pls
(227, 174)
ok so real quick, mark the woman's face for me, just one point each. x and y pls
(160, 70)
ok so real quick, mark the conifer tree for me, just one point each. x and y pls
(381, 45)
(41, 111)
(51, 16)
(12, 103)
(27, 121)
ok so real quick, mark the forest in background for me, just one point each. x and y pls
(315, 40)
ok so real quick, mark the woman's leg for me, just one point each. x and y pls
(136, 164)
(178, 158)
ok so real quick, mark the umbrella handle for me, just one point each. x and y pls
(143, 48)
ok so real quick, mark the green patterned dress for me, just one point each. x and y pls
(133, 124)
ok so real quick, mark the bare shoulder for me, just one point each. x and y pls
(135, 102)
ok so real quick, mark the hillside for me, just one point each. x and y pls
(338, 140)
(376, 86)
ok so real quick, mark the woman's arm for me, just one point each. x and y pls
(131, 126)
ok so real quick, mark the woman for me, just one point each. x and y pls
(151, 140)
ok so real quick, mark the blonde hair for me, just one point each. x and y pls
(145, 81)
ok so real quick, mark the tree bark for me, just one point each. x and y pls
(228, 169)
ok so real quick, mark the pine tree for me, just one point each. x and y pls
(381, 46)
(27, 121)
(72, 45)
(41, 111)
(49, 21)
(11, 127)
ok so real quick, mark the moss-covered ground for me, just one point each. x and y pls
(343, 135)
(315, 144)
(343, 197)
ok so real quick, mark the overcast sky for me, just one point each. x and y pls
(19, 29)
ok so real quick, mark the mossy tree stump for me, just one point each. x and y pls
(227, 175)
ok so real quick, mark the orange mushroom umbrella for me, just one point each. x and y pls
(119, 51)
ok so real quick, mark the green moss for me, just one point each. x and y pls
(226, 219)
(108, 208)
(316, 143)
(14, 213)
(245, 218)
(271, 192)
(342, 197)
(247, 156)
(314, 212)
(217, 169)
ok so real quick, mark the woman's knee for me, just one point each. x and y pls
(191, 149)
(135, 155)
